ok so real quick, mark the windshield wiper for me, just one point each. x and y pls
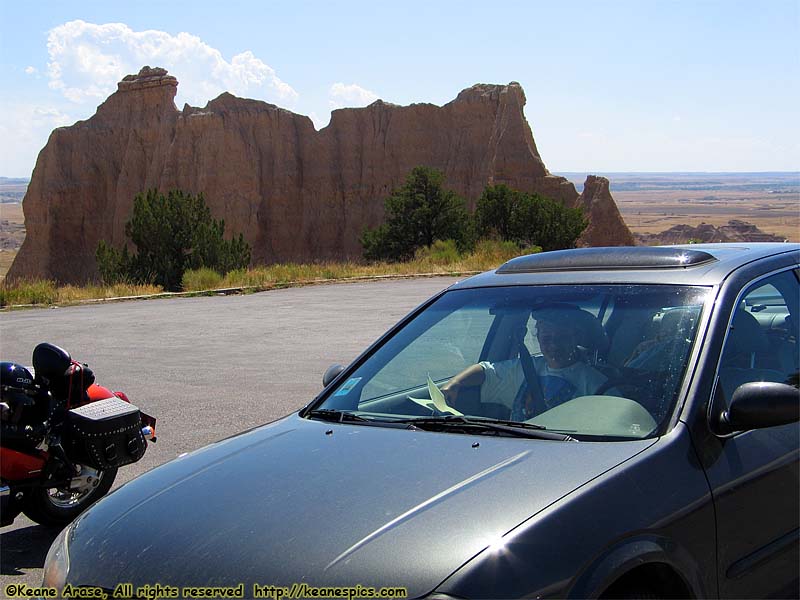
(337, 416)
(513, 428)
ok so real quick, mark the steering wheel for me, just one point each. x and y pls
(630, 379)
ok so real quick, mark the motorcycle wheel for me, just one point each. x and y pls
(57, 507)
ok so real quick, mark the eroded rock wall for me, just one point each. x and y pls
(296, 193)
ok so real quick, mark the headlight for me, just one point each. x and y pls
(56, 565)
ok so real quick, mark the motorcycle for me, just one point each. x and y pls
(63, 437)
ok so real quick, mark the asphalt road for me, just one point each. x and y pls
(205, 367)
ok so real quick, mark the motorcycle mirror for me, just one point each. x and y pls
(50, 361)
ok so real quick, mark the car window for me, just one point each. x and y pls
(448, 347)
(589, 360)
(762, 344)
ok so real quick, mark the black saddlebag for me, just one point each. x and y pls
(104, 434)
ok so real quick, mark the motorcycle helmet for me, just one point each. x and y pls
(16, 384)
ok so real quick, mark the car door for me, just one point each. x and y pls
(754, 479)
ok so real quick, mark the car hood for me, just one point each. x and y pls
(302, 501)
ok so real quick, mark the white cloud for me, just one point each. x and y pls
(25, 129)
(87, 60)
(342, 95)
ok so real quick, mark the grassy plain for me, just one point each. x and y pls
(653, 211)
(12, 233)
(6, 258)
(654, 202)
(12, 190)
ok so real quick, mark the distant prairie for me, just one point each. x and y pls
(654, 202)
(12, 189)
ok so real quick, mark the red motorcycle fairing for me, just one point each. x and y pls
(15, 465)
(97, 392)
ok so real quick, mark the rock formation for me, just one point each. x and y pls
(604, 217)
(294, 192)
(734, 231)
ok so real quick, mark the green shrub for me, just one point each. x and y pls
(418, 214)
(528, 219)
(493, 211)
(441, 252)
(112, 264)
(172, 233)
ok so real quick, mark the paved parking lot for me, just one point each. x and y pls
(205, 367)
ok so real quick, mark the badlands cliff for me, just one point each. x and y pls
(294, 192)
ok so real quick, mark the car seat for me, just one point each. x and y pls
(591, 337)
(668, 350)
(746, 350)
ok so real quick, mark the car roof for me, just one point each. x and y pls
(689, 264)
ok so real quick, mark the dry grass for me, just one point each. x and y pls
(442, 257)
(48, 293)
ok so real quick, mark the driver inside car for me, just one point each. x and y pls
(561, 373)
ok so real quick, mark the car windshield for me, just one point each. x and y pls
(588, 361)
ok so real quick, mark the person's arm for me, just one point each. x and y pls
(469, 377)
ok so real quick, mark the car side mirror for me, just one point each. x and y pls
(331, 373)
(761, 404)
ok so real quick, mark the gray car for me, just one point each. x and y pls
(602, 422)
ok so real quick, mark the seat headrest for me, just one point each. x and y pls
(588, 329)
(745, 339)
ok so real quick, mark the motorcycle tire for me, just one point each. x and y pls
(57, 507)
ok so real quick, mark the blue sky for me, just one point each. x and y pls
(613, 85)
